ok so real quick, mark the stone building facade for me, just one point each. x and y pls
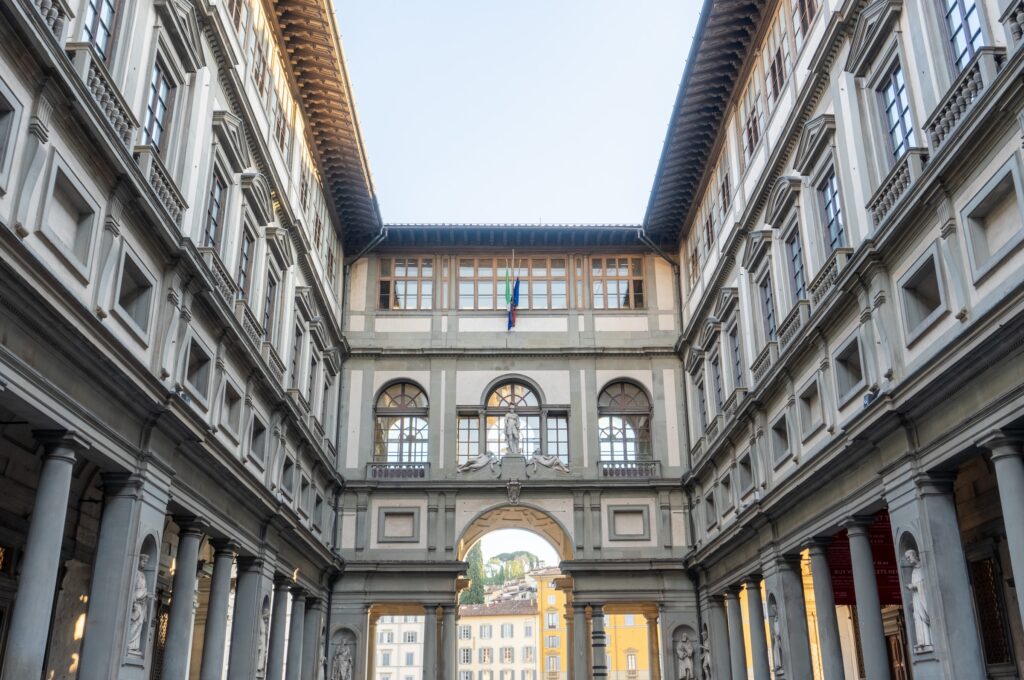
(241, 419)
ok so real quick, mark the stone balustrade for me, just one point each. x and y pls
(630, 469)
(826, 278)
(1013, 21)
(895, 185)
(251, 326)
(397, 471)
(972, 82)
(222, 280)
(273, 360)
(764, 360)
(166, 191)
(89, 66)
(794, 321)
(54, 14)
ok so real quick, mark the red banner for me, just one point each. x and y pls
(886, 566)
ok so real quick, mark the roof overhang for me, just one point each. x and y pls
(561, 237)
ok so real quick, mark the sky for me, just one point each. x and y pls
(515, 110)
(509, 540)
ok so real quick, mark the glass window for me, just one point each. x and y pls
(737, 357)
(524, 401)
(551, 622)
(702, 405)
(804, 12)
(157, 104)
(543, 282)
(269, 304)
(716, 381)
(776, 58)
(245, 264)
(406, 283)
(466, 656)
(796, 265)
(833, 214)
(214, 211)
(465, 632)
(99, 24)
(617, 282)
(897, 112)
(624, 422)
(768, 307)
(963, 30)
(401, 434)
(468, 438)
(557, 441)
(751, 113)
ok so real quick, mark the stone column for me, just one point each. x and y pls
(449, 643)
(653, 648)
(215, 636)
(793, 618)
(246, 650)
(869, 608)
(598, 641)
(825, 610)
(183, 589)
(113, 580)
(371, 645)
(275, 646)
(758, 639)
(1009, 469)
(37, 583)
(293, 667)
(430, 642)
(312, 627)
(737, 645)
(580, 658)
(718, 638)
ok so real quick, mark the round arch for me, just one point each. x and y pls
(513, 378)
(525, 517)
(644, 389)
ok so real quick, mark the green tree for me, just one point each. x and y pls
(474, 594)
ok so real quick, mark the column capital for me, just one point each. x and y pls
(249, 563)
(1003, 443)
(857, 524)
(449, 608)
(124, 484)
(314, 602)
(224, 546)
(936, 482)
(753, 580)
(817, 545)
(61, 443)
(299, 593)
(732, 591)
(190, 525)
(282, 582)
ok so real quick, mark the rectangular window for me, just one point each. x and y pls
(468, 446)
(508, 654)
(311, 383)
(804, 12)
(466, 656)
(239, 10)
(259, 62)
(617, 282)
(897, 112)
(99, 24)
(833, 214)
(485, 631)
(296, 351)
(245, 265)
(768, 307)
(406, 283)
(737, 357)
(751, 113)
(465, 633)
(776, 58)
(157, 104)
(543, 282)
(551, 620)
(410, 659)
(716, 380)
(214, 211)
(326, 398)
(258, 440)
(702, 406)
(269, 303)
(557, 442)
(486, 654)
(796, 265)
(963, 30)
(280, 124)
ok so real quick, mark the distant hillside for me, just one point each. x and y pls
(508, 566)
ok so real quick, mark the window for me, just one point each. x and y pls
(239, 10)
(543, 282)
(849, 370)
(311, 380)
(410, 657)
(557, 440)
(406, 283)
(780, 439)
(245, 265)
(833, 214)
(513, 396)
(507, 630)
(716, 381)
(304, 494)
(258, 440)
(318, 511)
(387, 637)
(804, 12)
(963, 30)
(468, 446)
(993, 221)
(508, 655)
(776, 58)
(553, 664)
(136, 293)
(624, 423)
(385, 659)
(528, 654)
(318, 231)
(794, 249)
(725, 492)
(231, 414)
(465, 633)
(710, 512)
(750, 117)
(325, 398)
(269, 304)
(466, 656)
(466, 675)
(631, 661)
(617, 282)
(551, 621)
(486, 654)
(157, 104)
(724, 190)
(485, 631)
(897, 111)
(280, 124)
(702, 405)
(737, 357)
(767, 307)
(197, 368)
(401, 433)
(99, 24)
(259, 62)
(629, 620)
(296, 353)
(551, 641)
(70, 217)
(214, 211)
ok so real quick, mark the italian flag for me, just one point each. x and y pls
(511, 296)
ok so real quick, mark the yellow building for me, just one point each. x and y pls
(627, 636)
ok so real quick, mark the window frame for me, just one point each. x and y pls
(392, 279)
(887, 82)
(637, 419)
(405, 415)
(629, 278)
(914, 333)
(971, 50)
(140, 331)
(159, 143)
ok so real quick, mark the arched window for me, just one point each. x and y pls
(543, 429)
(624, 423)
(401, 432)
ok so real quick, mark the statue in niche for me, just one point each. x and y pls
(139, 607)
(513, 431)
(552, 462)
(261, 638)
(776, 636)
(705, 655)
(919, 602)
(684, 657)
(481, 461)
(341, 665)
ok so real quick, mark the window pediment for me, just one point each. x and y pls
(758, 243)
(816, 136)
(227, 128)
(784, 194)
(280, 246)
(694, 361)
(179, 18)
(258, 197)
(709, 334)
(727, 299)
(874, 29)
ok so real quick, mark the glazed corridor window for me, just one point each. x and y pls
(897, 112)
(751, 114)
(833, 214)
(541, 429)
(776, 59)
(99, 24)
(406, 283)
(543, 282)
(804, 12)
(624, 423)
(617, 282)
(401, 431)
(963, 28)
(156, 107)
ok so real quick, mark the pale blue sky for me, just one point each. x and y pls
(510, 540)
(515, 110)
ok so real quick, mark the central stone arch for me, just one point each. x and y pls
(526, 517)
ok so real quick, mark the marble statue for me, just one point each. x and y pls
(705, 655)
(776, 636)
(140, 604)
(684, 657)
(261, 639)
(341, 666)
(513, 431)
(479, 462)
(552, 462)
(919, 602)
